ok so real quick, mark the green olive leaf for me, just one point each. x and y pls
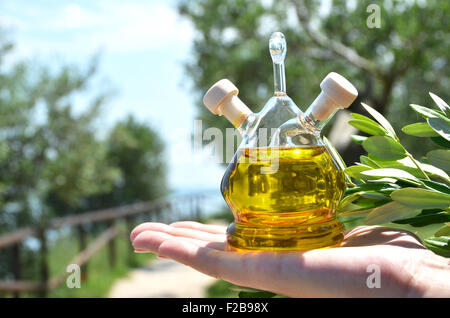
(425, 218)
(440, 141)
(362, 117)
(358, 139)
(380, 119)
(438, 246)
(384, 147)
(420, 130)
(426, 112)
(408, 165)
(389, 173)
(374, 196)
(348, 199)
(443, 231)
(441, 187)
(369, 162)
(390, 212)
(421, 198)
(355, 171)
(441, 104)
(384, 188)
(368, 127)
(441, 126)
(440, 158)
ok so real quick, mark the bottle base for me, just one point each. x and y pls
(243, 237)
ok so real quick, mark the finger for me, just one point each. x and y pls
(149, 241)
(147, 226)
(213, 229)
(177, 231)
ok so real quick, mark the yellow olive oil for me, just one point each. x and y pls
(283, 198)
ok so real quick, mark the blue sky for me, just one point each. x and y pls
(142, 45)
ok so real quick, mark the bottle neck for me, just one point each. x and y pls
(235, 111)
(279, 79)
(247, 124)
(319, 113)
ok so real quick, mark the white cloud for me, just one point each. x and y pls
(73, 16)
(116, 27)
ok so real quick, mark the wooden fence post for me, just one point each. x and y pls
(44, 261)
(197, 207)
(152, 217)
(188, 203)
(16, 265)
(169, 212)
(82, 245)
(175, 212)
(112, 248)
(129, 228)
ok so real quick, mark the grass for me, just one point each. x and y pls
(225, 215)
(100, 275)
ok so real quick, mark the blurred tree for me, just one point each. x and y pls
(138, 152)
(52, 162)
(392, 66)
(49, 155)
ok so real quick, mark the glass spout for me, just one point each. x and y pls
(277, 48)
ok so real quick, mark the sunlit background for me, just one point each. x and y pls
(142, 46)
(97, 107)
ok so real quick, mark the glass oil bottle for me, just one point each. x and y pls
(283, 185)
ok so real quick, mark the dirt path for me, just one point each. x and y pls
(162, 278)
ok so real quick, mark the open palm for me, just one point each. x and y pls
(405, 267)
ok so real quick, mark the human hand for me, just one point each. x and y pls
(406, 267)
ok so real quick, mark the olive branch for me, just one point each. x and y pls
(390, 185)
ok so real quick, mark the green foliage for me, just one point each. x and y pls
(246, 292)
(439, 245)
(221, 289)
(52, 161)
(419, 130)
(390, 185)
(384, 147)
(100, 275)
(440, 158)
(50, 156)
(389, 65)
(138, 152)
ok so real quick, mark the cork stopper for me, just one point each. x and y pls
(337, 92)
(221, 99)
